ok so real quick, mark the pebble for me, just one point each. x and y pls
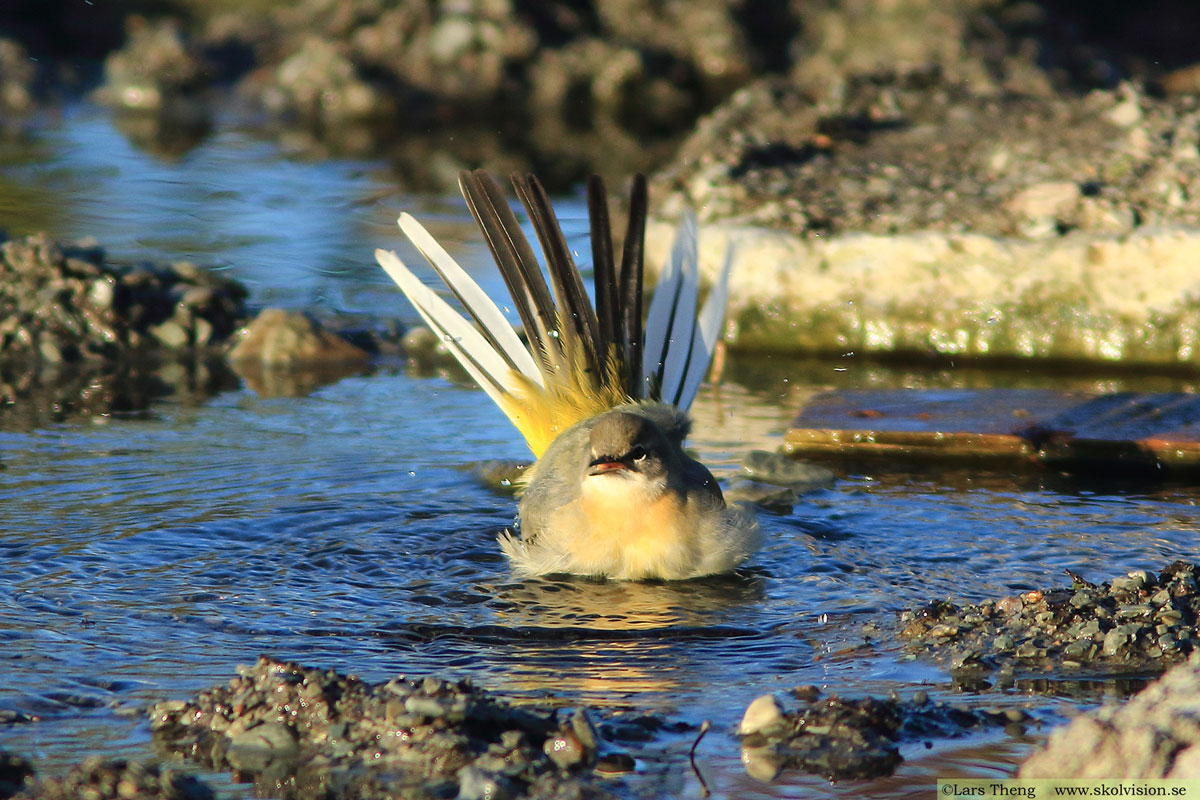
(762, 715)
(100, 779)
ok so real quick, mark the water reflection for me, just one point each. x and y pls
(624, 606)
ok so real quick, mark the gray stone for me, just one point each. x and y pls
(1153, 735)
(477, 784)
(774, 467)
(254, 748)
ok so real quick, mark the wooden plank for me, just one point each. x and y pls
(1015, 425)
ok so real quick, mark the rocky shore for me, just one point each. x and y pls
(330, 735)
(1136, 623)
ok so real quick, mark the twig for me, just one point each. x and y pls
(704, 726)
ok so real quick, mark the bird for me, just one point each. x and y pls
(599, 396)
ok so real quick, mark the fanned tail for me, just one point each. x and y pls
(580, 359)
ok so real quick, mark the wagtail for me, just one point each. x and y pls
(601, 405)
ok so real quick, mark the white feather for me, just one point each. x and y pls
(467, 345)
(476, 301)
(672, 312)
(681, 343)
(708, 331)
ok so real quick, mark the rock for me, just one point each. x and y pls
(256, 747)
(159, 71)
(63, 302)
(476, 784)
(1152, 735)
(1041, 209)
(779, 500)
(762, 715)
(1045, 230)
(278, 337)
(17, 75)
(320, 83)
(839, 737)
(15, 772)
(778, 468)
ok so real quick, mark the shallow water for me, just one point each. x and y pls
(146, 557)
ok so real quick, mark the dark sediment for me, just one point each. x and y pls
(841, 738)
(1135, 623)
(320, 734)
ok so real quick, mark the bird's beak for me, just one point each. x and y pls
(604, 465)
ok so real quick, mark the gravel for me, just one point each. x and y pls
(329, 735)
(100, 779)
(1134, 623)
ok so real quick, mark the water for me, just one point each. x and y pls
(146, 557)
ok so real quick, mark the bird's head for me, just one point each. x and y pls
(630, 447)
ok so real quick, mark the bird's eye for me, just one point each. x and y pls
(638, 453)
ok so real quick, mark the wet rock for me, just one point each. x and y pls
(17, 75)
(100, 779)
(762, 715)
(158, 71)
(278, 337)
(773, 467)
(253, 749)
(599, 79)
(775, 499)
(1136, 622)
(845, 738)
(1152, 735)
(281, 721)
(290, 354)
(15, 772)
(321, 84)
(63, 302)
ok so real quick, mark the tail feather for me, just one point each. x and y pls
(574, 309)
(492, 323)
(465, 342)
(579, 360)
(518, 266)
(632, 269)
(708, 331)
(671, 321)
(604, 273)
